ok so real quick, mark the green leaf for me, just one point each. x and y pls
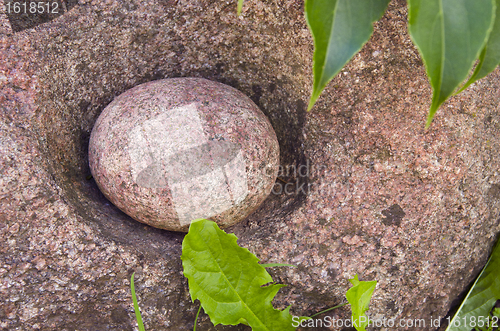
(339, 29)
(490, 55)
(482, 296)
(228, 280)
(136, 305)
(359, 297)
(449, 35)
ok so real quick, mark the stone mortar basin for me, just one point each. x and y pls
(378, 196)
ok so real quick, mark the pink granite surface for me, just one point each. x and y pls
(418, 211)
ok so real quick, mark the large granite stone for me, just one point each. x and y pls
(416, 210)
(175, 150)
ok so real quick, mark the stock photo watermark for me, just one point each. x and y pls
(432, 322)
(299, 184)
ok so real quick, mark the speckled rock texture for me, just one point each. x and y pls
(376, 195)
(175, 150)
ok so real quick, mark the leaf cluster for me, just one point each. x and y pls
(451, 36)
(234, 288)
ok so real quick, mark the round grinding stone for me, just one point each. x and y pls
(171, 151)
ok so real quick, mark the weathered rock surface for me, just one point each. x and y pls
(174, 150)
(418, 211)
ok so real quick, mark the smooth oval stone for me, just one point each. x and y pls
(171, 151)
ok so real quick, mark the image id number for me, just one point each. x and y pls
(472, 322)
(32, 7)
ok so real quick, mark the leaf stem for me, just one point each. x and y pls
(240, 7)
(196, 318)
(332, 308)
(272, 265)
(136, 305)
